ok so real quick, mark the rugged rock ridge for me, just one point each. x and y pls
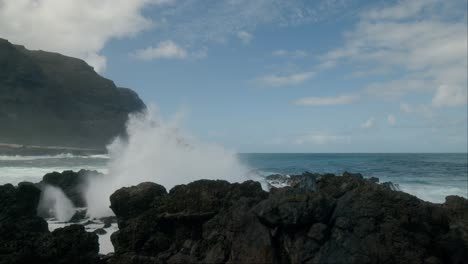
(50, 99)
(73, 184)
(25, 238)
(346, 219)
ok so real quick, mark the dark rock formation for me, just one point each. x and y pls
(305, 180)
(100, 231)
(351, 174)
(50, 99)
(346, 219)
(71, 183)
(25, 238)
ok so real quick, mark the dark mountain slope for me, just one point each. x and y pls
(50, 99)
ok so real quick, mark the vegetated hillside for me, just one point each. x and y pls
(53, 100)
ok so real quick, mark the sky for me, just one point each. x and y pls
(274, 75)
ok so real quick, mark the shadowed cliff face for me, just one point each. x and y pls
(50, 99)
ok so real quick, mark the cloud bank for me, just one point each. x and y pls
(74, 28)
(421, 41)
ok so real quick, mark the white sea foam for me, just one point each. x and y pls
(15, 175)
(160, 152)
(433, 193)
(58, 156)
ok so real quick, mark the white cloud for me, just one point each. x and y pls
(422, 110)
(447, 95)
(282, 80)
(369, 123)
(323, 101)
(245, 37)
(423, 41)
(391, 119)
(322, 138)
(406, 108)
(196, 21)
(164, 50)
(290, 53)
(74, 28)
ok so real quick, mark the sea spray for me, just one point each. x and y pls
(158, 151)
(54, 202)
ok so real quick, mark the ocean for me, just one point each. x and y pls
(430, 177)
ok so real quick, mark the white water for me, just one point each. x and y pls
(58, 156)
(160, 151)
(15, 175)
(57, 203)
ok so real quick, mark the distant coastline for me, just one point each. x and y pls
(20, 149)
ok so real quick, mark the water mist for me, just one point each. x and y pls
(158, 151)
(54, 202)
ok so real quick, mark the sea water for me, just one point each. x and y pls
(430, 177)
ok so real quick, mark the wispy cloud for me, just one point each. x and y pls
(369, 123)
(450, 95)
(391, 119)
(325, 101)
(283, 80)
(245, 37)
(290, 53)
(424, 41)
(166, 50)
(405, 108)
(322, 138)
(220, 20)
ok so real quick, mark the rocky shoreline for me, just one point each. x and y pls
(312, 218)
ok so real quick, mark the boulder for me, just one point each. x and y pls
(25, 238)
(72, 184)
(305, 180)
(342, 219)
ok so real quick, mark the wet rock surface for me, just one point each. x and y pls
(329, 219)
(25, 238)
(71, 183)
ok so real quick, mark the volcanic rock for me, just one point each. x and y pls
(25, 238)
(71, 183)
(339, 219)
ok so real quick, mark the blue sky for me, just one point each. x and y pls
(276, 76)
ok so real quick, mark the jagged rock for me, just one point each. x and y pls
(374, 179)
(346, 219)
(25, 238)
(71, 244)
(177, 220)
(391, 186)
(305, 180)
(71, 183)
(108, 221)
(79, 216)
(100, 231)
(130, 202)
(350, 174)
